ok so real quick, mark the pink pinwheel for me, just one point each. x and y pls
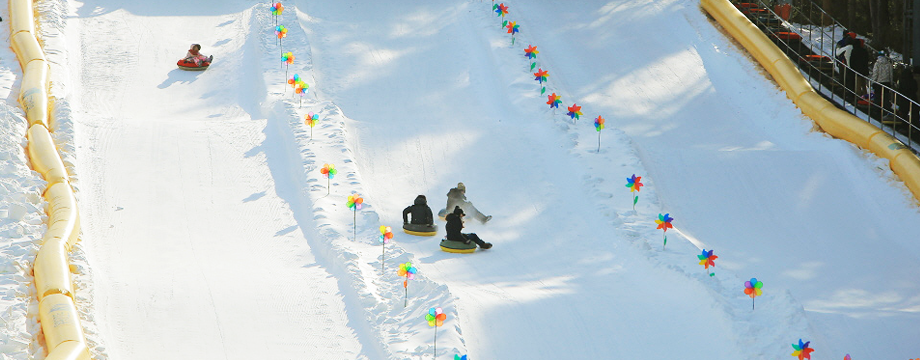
(554, 100)
(531, 52)
(574, 111)
(802, 351)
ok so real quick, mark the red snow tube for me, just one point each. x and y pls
(787, 35)
(190, 65)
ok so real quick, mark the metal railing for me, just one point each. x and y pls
(807, 43)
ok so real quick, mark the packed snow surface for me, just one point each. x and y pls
(210, 233)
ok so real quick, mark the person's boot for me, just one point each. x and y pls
(485, 246)
(487, 219)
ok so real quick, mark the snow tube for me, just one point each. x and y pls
(190, 65)
(786, 35)
(458, 247)
(420, 229)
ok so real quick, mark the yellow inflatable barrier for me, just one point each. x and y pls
(52, 270)
(27, 49)
(63, 215)
(836, 122)
(22, 17)
(44, 155)
(33, 93)
(61, 325)
(57, 312)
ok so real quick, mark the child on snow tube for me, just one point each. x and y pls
(422, 222)
(195, 56)
(455, 224)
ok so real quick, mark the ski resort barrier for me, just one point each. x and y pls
(836, 122)
(57, 311)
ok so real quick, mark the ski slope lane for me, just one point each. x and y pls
(195, 254)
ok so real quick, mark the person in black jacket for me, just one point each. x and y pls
(421, 213)
(859, 61)
(455, 224)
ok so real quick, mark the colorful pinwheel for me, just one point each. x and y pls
(553, 100)
(802, 351)
(354, 203)
(329, 172)
(277, 9)
(458, 357)
(407, 271)
(634, 184)
(541, 75)
(513, 27)
(310, 119)
(288, 58)
(664, 223)
(531, 52)
(435, 317)
(386, 233)
(500, 10)
(753, 289)
(599, 125)
(294, 80)
(280, 31)
(574, 111)
(707, 259)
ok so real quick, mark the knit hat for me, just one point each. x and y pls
(458, 211)
(461, 187)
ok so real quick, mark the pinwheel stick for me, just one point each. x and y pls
(406, 285)
(635, 200)
(598, 141)
(383, 254)
(752, 303)
(436, 340)
(328, 187)
(355, 223)
(665, 240)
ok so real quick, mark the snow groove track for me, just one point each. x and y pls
(57, 310)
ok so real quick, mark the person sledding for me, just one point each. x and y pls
(194, 55)
(421, 222)
(457, 197)
(455, 224)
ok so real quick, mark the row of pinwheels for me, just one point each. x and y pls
(530, 52)
(287, 58)
(752, 287)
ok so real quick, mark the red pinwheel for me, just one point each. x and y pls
(541, 75)
(574, 111)
(531, 52)
(802, 351)
(553, 100)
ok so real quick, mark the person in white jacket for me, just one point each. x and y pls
(882, 79)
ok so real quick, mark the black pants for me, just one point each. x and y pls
(474, 238)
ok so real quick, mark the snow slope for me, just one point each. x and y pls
(209, 232)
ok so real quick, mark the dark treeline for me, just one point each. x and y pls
(882, 21)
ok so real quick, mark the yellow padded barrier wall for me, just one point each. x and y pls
(44, 155)
(61, 323)
(70, 350)
(33, 92)
(21, 17)
(63, 215)
(52, 270)
(27, 49)
(57, 311)
(836, 122)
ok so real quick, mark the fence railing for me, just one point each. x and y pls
(796, 28)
